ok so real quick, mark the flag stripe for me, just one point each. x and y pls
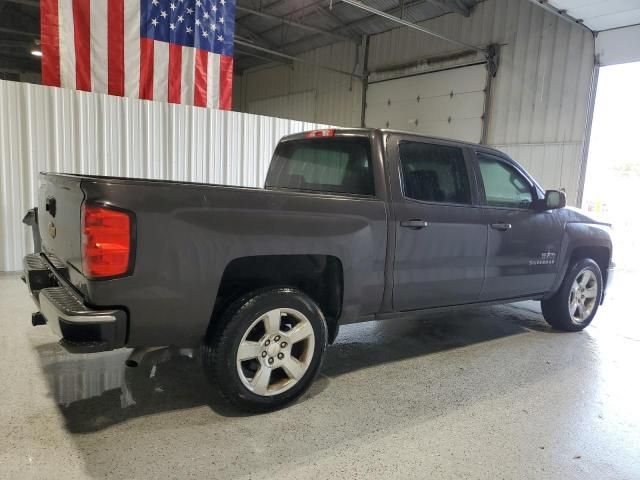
(160, 69)
(67, 50)
(82, 43)
(146, 68)
(98, 47)
(201, 70)
(49, 42)
(116, 47)
(226, 82)
(188, 75)
(132, 48)
(213, 79)
(175, 73)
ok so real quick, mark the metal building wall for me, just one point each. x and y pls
(540, 98)
(50, 129)
(306, 92)
(541, 94)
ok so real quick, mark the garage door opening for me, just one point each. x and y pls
(613, 181)
(613, 167)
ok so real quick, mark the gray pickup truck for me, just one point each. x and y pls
(352, 225)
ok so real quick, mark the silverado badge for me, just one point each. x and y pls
(546, 258)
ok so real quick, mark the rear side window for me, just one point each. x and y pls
(504, 186)
(335, 165)
(434, 173)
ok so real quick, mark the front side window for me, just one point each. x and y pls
(434, 173)
(504, 186)
(335, 165)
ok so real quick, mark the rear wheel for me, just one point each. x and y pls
(575, 304)
(268, 349)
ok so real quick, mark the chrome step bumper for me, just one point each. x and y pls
(83, 329)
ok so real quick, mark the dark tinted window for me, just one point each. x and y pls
(504, 186)
(434, 173)
(340, 165)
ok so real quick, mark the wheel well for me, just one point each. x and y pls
(319, 276)
(600, 255)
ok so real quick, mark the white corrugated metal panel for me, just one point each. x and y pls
(553, 165)
(542, 87)
(50, 129)
(449, 103)
(338, 96)
(601, 14)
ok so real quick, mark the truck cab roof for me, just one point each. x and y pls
(367, 132)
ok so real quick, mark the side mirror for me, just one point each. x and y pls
(553, 199)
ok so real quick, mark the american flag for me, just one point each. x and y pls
(180, 51)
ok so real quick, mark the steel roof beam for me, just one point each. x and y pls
(355, 32)
(244, 54)
(22, 33)
(293, 23)
(256, 37)
(380, 13)
(29, 3)
(242, 43)
(455, 5)
(308, 9)
(391, 11)
(355, 23)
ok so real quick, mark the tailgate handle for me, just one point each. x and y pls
(414, 224)
(50, 206)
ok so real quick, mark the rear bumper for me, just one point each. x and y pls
(81, 328)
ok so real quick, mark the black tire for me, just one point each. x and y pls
(556, 309)
(221, 347)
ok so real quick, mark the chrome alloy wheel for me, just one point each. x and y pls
(583, 295)
(275, 352)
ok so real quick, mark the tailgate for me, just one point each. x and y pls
(59, 217)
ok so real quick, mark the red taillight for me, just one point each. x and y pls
(106, 242)
(328, 132)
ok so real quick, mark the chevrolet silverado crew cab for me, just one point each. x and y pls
(351, 225)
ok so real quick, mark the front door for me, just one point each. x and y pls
(441, 235)
(524, 244)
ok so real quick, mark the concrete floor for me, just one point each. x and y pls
(481, 393)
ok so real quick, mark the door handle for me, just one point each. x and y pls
(503, 227)
(414, 224)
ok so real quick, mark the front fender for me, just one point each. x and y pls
(579, 235)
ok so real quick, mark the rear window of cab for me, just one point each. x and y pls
(333, 165)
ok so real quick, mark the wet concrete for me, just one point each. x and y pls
(480, 393)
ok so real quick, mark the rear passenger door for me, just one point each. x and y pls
(440, 232)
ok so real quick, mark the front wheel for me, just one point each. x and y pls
(267, 350)
(575, 304)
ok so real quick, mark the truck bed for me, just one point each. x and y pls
(187, 234)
